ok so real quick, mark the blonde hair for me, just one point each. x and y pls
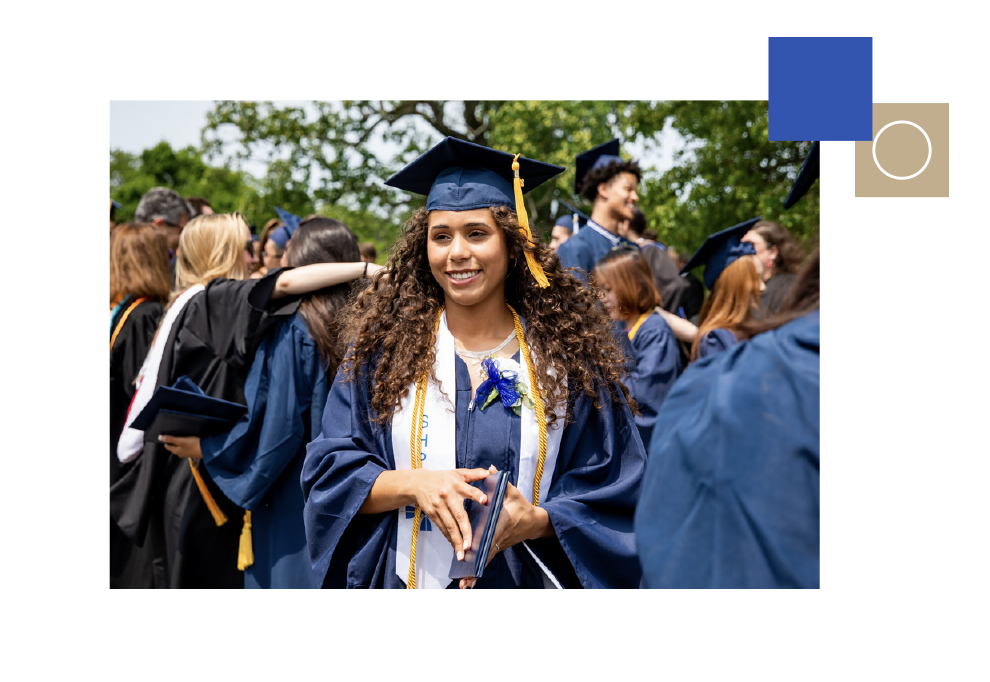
(211, 247)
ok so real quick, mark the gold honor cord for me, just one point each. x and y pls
(123, 319)
(541, 419)
(416, 432)
(639, 323)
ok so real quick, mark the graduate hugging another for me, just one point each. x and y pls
(474, 353)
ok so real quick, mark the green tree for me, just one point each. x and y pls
(728, 172)
(340, 152)
(183, 170)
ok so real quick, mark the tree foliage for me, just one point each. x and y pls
(184, 171)
(334, 157)
(728, 172)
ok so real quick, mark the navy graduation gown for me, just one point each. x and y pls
(258, 463)
(730, 497)
(589, 499)
(656, 364)
(716, 341)
(155, 500)
(586, 248)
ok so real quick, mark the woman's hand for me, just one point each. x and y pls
(182, 446)
(519, 520)
(441, 495)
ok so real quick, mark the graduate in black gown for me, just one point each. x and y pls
(731, 493)
(474, 352)
(257, 464)
(139, 286)
(209, 333)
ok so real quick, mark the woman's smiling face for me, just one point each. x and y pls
(468, 254)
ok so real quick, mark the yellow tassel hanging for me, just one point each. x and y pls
(218, 516)
(517, 184)
(245, 553)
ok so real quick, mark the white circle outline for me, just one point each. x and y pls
(902, 177)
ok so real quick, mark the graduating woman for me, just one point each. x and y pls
(632, 298)
(209, 334)
(139, 287)
(734, 277)
(474, 352)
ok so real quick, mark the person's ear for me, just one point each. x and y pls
(603, 188)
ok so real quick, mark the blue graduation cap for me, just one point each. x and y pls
(720, 250)
(574, 209)
(806, 177)
(456, 175)
(281, 235)
(569, 220)
(602, 155)
(461, 176)
(114, 204)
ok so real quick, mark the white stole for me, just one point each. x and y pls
(131, 441)
(433, 552)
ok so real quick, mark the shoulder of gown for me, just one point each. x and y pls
(231, 317)
(731, 492)
(716, 341)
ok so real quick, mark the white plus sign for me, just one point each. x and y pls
(61, 549)
(61, 504)
(61, 593)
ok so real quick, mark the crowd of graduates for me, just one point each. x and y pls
(333, 415)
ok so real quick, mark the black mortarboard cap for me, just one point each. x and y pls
(806, 178)
(602, 155)
(182, 409)
(720, 250)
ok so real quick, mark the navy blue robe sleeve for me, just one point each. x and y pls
(246, 461)
(338, 473)
(716, 341)
(657, 364)
(573, 254)
(593, 497)
(731, 493)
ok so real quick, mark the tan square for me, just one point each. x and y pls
(902, 151)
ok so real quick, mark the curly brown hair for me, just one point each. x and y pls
(395, 317)
(589, 185)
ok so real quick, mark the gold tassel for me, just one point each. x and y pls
(517, 184)
(245, 553)
(218, 516)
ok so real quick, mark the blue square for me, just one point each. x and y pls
(821, 89)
